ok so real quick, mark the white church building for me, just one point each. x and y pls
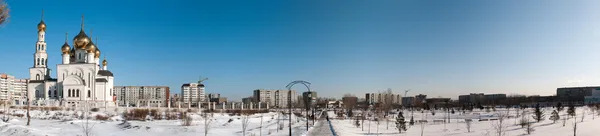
(79, 78)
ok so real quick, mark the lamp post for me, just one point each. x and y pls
(289, 86)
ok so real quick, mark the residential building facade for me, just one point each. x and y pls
(193, 94)
(375, 98)
(12, 90)
(142, 96)
(276, 98)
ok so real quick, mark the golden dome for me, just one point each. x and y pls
(104, 62)
(65, 48)
(41, 26)
(81, 40)
(91, 48)
(97, 54)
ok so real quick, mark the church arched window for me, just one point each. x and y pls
(70, 93)
(37, 76)
(77, 94)
(42, 61)
(49, 93)
(89, 93)
(79, 56)
(38, 61)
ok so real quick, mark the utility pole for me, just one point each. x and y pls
(290, 108)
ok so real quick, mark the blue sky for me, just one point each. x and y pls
(439, 48)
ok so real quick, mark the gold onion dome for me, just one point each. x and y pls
(90, 48)
(41, 26)
(104, 62)
(81, 40)
(65, 48)
(97, 53)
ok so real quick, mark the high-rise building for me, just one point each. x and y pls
(142, 96)
(193, 94)
(276, 98)
(12, 89)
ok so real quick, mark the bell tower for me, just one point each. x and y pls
(39, 71)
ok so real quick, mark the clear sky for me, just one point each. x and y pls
(439, 48)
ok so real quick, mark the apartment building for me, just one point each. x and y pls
(12, 89)
(276, 98)
(374, 98)
(142, 96)
(192, 94)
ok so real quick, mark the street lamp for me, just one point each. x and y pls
(289, 86)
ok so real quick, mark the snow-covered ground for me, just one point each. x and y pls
(457, 125)
(49, 124)
(43, 124)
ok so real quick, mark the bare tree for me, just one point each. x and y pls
(499, 125)
(245, 120)
(6, 111)
(582, 115)
(28, 107)
(261, 124)
(423, 123)
(87, 127)
(468, 124)
(186, 120)
(4, 12)
(528, 128)
(208, 118)
(387, 105)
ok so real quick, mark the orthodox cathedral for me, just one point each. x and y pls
(79, 78)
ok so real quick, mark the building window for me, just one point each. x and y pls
(89, 93)
(77, 94)
(38, 61)
(37, 76)
(42, 61)
(69, 93)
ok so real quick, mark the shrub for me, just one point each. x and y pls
(101, 117)
(18, 115)
(186, 120)
(170, 116)
(137, 114)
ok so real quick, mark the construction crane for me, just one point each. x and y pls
(201, 80)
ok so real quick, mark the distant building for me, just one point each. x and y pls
(350, 102)
(494, 99)
(175, 100)
(408, 101)
(275, 98)
(375, 98)
(247, 100)
(576, 94)
(471, 99)
(12, 89)
(437, 102)
(308, 97)
(193, 94)
(142, 96)
(214, 97)
(420, 99)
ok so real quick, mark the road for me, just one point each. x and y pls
(321, 128)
